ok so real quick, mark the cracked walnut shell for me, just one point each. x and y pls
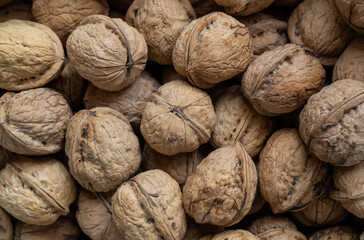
(6, 226)
(231, 235)
(244, 7)
(352, 12)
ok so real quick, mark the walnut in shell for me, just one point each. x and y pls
(352, 12)
(331, 123)
(212, 49)
(149, 206)
(6, 226)
(33, 122)
(102, 149)
(231, 235)
(338, 233)
(268, 223)
(107, 51)
(244, 7)
(281, 80)
(36, 190)
(178, 118)
(31, 55)
(16, 11)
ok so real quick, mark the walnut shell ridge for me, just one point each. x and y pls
(270, 222)
(352, 12)
(231, 235)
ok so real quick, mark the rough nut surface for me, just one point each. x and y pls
(338, 232)
(231, 235)
(149, 206)
(352, 12)
(6, 226)
(282, 234)
(16, 11)
(102, 149)
(244, 7)
(267, 223)
(332, 123)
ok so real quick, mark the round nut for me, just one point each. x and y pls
(6, 226)
(231, 235)
(338, 232)
(16, 11)
(244, 7)
(352, 12)
(282, 234)
(268, 223)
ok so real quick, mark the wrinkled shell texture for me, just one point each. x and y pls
(337, 232)
(31, 55)
(267, 223)
(232, 235)
(353, 13)
(36, 190)
(16, 11)
(282, 234)
(244, 7)
(351, 62)
(102, 148)
(33, 122)
(318, 25)
(332, 123)
(287, 170)
(222, 188)
(238, 121)
(281, 80)
(6, 226)
(212, 49)
(178, 118)
(160, 22)
(131, 101)
(149, 206)
(117, 56)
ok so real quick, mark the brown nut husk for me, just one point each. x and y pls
(287, 3)
(6, 226)
(238, 121)
(282, 234)
(31, 55)
(179, 118)
(149, 206)
(268, 223)
(212, 49)
(331, 123)
(33, 122)
(281, 80)
(16, 11)
(318, 25)
(64, 16)
(107, 51)
(222, 188)
(94, 215)
(160, 22)
(36, 190)
(287, 171)
(352, 12)
(337, 232)
(244, 7)
(102, 149)
(351, 62)
(231, 235)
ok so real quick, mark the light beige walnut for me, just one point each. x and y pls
(149, 206)
(16, 11)
(244, 7)
(36, 190)
(231, 235)
(268, 223)
(352, 12)
(33, 122)
(6, 226)
(339, 232)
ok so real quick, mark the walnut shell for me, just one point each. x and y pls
(282, 234)
(231, 235)
(179, 118)
(107, 51)
(16, 11)
(33, 122)
(36, 190)
(244, 7)
(222, 188)
(352, 12)
(212, 49)
(6, 226)
(31, 55)
(287, 3)
(255, 18)
(149, 206)
(102, 149)
(160, 22)
(268, 223)
(281, 80)
(318, 25)
(331, 123)
(338, 233)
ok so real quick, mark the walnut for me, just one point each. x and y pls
(16, 11)
(33, 122)
(160, 22)
(6, 226)
(4, 2)
(212, 49)
(287, 3)
(318, 25)
(352, 12)
(179, 118)
(31, 55)
(282, 234)
(222, 188)
(36, 190)
(290, 177)
(268, 223)
(205, 7)
(149, 206)
(255, 18)
(102, 148)
(244, 7)
(231, 235)
(337, 232)
(107, 51)
(350, 63)
(238, 121)
(281, 80)
(330, 123)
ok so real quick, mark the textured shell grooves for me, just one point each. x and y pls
(105, 202)
(242, 125)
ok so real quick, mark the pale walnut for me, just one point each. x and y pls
(338, 233)
(244, 7)
(16, 11)
(231, 235)
(6, 226)
(352, 12)
(268, 223)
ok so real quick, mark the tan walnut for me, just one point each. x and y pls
(270, 222)
(6, 226)
(231, 235)
(352, 12)
(339, 232)
(244, 7)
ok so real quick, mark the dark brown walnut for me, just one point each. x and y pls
(169, 74)
(287, 3)
(178, 118)
(222, 188)
(268, 223)
(131, 101)
(16, 11)
(331, 123)
(149, 206)
(102, 149)
(238, 121)
(6, 226)
(94, 216)
(352, 12)
(33, 122)
(196, 231)
(4, 2)
(212, 49)
(205, 7)
(244, 7)
(31, 55)
(338, 233)
(64, 16)
(107, 51)
(287, 172)
(351, 62)
(281, 80)
(231, 235)
(282, 234)
(160, 22)
(36, 190)
(318, 25)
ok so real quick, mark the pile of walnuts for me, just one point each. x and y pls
(181, 119)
